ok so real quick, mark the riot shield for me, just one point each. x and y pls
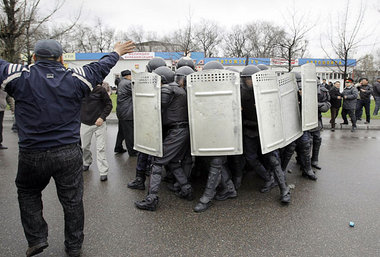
(214, 113)
(268, 109)
(146, 95)
(309, 97)
(289, 107)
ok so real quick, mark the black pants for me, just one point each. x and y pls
(334, 114)
(359, 109)
(119, 139)
(1, 126)
(175, 147)
(351, 113)
(127, 128)
(35, 168)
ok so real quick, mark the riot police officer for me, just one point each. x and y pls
(251, 140)
(176, 140)
(217, 171)
(143, 160)
(323, 106)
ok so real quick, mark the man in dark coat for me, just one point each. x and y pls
(124, 110)
(336, 103)
(350, 95)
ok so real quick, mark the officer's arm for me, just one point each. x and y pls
(166, 96)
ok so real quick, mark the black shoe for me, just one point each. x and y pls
(285, 196)
(173, 187)
(185, 195)
(309, 174)
(3, 147)
(117, 151)
(353, 128)
(149, 203)
(367, 122)
(137, 183)
(344, 123)
(201, 207)
(103, 178)
(332, 129)
(85, 167)
(228, 194)
(36, 249)
(73, 252)
(315, 165)
(268, 185)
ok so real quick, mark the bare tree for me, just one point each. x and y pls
(263, 38)
(294, 43)
(235, 42)
(184, 38)
(208, 34)
(22, 25)
(344, 37)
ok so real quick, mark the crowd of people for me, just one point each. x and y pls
(59, 110)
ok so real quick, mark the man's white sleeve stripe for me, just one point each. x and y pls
(19, 67)
(82, 72)
(14, 67)
(83, 80)
(9, 79)
(10, 68)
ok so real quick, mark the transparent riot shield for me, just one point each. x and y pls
(214, 113)
(309, 97)
(146, 95)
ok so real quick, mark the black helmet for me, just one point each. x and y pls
(184, 71)
(180, 75)
(262, 66)
(154, 63)
(232, 69)
(249, 71)
(185, 61)
(166, 74)
(213, 65)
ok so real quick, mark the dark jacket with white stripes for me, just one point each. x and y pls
(48, 98)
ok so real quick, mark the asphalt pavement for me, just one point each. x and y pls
(316, 223)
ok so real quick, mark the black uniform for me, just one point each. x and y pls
(175, 145)
(323, 106)
(252, 148)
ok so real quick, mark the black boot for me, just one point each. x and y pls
(214, 176)
(186, 191)
(314, 158)
(309, 174)
(284, 189)
(271, 183)
(149, 203)
(228, 187)
(138, 182)
(228, 192)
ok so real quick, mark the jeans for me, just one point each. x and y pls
(359, 109)
(35, 168)
(377, 105)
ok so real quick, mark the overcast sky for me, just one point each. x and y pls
(163, 16)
